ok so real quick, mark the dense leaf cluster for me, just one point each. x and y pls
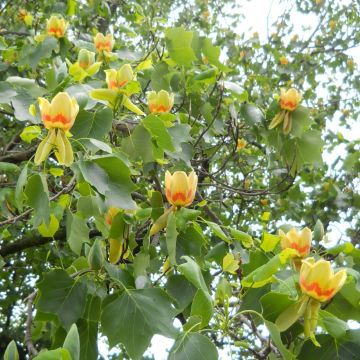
(214, 278)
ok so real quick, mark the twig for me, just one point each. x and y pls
(65, 190)
(28, 339)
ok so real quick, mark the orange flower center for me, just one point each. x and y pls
(56, 31)
(106, 45)
(300, 249)
(159, 108)
(314, 286)
(58, 118)
(288, 105)
(114, 84)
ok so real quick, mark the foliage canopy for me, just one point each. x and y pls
(99, 100)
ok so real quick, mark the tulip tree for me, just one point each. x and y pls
(164, 170)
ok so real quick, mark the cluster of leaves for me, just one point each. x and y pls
(218, 267)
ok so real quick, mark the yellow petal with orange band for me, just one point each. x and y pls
(117, 79)
(317, 279)
(56, 26)
(300, 241)
(60, 113)
(103, 43)
(180, 188)
(290, 99)
(160, 102)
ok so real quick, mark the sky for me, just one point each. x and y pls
(256, 14)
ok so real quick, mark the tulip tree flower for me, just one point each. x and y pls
(180, 188)
(56, 26)
(85, 66)
(25, 17)
(160, 102)
(318, 283)
(58, 117)
(116, 94)
(289, 101)
(299, 241)
(103, 43)
(116, 79)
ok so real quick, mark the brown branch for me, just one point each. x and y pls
(28, 339)
(18, 33)
(65, 190)
(18, 157)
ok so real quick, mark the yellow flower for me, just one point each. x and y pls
(180, 188)
(317, 279)
(56, 26)
(25, 17)
(85, 66)
(290, 99)
(118, 79)
(86, 58)
(241, 144)
(60, 113)
(103, 43)
(300, 241)
(283, 60)
(332, 24)
(58, 117)
(160, 102)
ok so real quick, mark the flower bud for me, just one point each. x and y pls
(160, 102)
(180, 188)
(96, 256)
(86, 58)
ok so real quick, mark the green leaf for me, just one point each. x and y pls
(269, 242)
(181, 290)
(334, 326)
(135, 316)
(11, 352)
(273, 304)
(276, 338)
(36, 192)
(49, 230)
(59, 294)
(189, 346)
(139, 145)
(245, 239)
(202, 306)
(252, 114)
(19, 194)
(347, 349)
(309, 148)
(77, 232)
(8, 168)
(92, 124)
(31, 55)
(111, 178)
(88, 334)
(178, 42)
(217, 230)
(57, 354)
(6, 92)
(213, 53)
(72, 342)
(191, 270)
(158, 131)
(171, 236)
